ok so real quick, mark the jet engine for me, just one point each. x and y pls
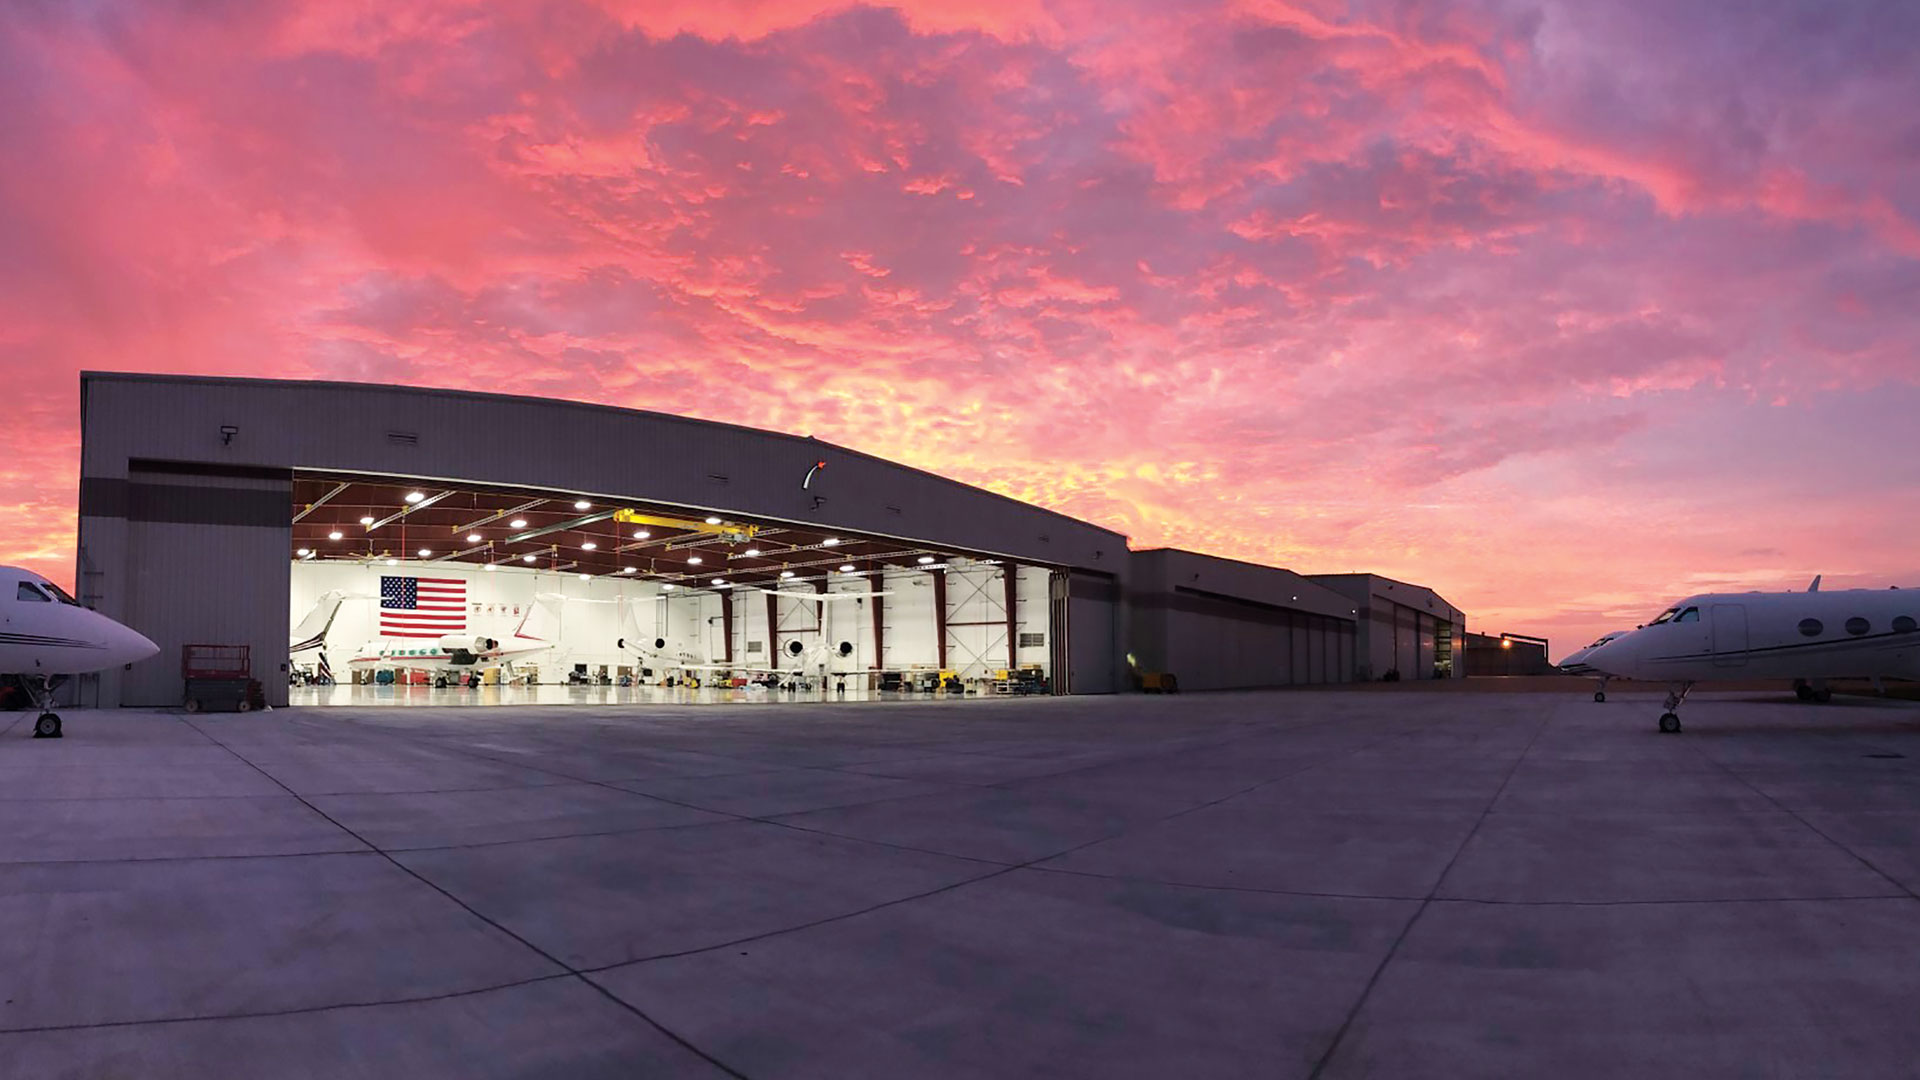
(461, 643)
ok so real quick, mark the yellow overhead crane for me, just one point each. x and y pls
(724, 529)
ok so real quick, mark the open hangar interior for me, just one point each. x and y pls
(641, 592)
(222, 510)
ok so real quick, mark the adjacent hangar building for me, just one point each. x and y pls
(217, 510)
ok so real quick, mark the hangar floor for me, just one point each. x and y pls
(1312, 883)
(560, 694)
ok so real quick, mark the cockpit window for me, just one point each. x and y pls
(59, 593)
(1665, 616)
(26, 591)
(1692, 614)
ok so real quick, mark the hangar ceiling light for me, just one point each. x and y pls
(925, 559)
(368, 520)
(846, 568)
(630, 570)
(642, 534)
(393, 562)
(752, 553)
(489, 568)
(668, 587)
(694, 560)
(830, 541)
(588, 546)
(528, 558)
(473, 538)
(786, 573)
(719, 581)
(302, 552)
(713, 521)
(424, 552)
(586, 577)
(517, 523)
(334, 535)
(582, 504)
(415, 496)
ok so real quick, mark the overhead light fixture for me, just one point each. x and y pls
(414, 496)
(586, 577)
(694, 560)
(588, 546)
(846, 568)
(489, 568)
(753, 553)
(528, 558)
(393, 562)
(302, 552)
(630, 570)
(831, 541)
(642, 534)
(925, 559)
(517, 523)
(334, 535)
(368, 520)
(786, 574)
(713, 521)
(582, 505)
(719, 581)
(473, 538)
(424, 552)
(668, 587)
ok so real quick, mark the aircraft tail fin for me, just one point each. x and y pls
(312, 631)
(1815, 587)
(542, 620)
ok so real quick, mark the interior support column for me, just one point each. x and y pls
(877, 582)
(940, 615)
(726, 622)
(1013, 596)
(773, 631)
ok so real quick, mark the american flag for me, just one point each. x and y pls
(413, 607)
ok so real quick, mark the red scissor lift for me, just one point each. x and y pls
(220, 678)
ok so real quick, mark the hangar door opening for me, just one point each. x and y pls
(411, 593)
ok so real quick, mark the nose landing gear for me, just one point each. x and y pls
(1670, 719)
(40, 689)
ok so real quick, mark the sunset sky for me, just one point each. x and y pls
(1564, 309)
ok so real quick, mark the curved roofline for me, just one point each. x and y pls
(87, 376)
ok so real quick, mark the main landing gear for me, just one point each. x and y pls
(1815, 691)
(40, 689)
(1670, 720)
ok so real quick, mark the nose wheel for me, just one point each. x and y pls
(1670, 719)
(47, 727)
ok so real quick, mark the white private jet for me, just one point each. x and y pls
(1576, 663)
(457, 658)
(46, 636)
(1809, 637)
(801, 662)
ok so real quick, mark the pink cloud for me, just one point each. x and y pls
(1389, 286)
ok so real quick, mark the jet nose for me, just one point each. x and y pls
(129, 646)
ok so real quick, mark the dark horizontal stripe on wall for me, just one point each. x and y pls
(209, 468)
(1097, 587)
(1221, 606)
(181, 504)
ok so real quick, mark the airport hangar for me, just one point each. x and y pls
(216, 510)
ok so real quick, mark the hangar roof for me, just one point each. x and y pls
(478, 442)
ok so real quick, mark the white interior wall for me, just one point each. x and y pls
(691, 620)
(588, 622)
